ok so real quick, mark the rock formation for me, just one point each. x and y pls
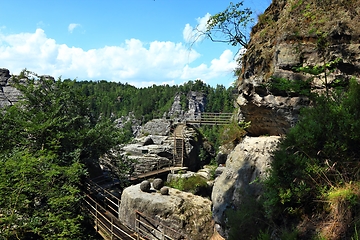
(196, 104)
(8, 94)
(189, 215)
(154, 148)
(247, 163)
(292, 34)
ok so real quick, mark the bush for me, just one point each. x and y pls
(233, 132)
(318, 155)
(193, 184)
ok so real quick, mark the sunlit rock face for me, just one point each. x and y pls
(246, 164)
(288, 36)
(8, 94)
(186, 214)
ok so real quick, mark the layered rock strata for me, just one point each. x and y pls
(292, 34)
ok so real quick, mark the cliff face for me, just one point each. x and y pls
(290, 34)
(8, 94)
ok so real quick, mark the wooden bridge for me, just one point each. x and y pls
(206, 118)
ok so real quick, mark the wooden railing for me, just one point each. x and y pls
(106, 224)
(206, 118)
(103, 207)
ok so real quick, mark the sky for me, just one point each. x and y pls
(139, 42)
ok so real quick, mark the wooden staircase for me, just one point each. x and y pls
(178, 146)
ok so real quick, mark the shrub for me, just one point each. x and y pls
(233, 132)
(193, 184)
(318, 156)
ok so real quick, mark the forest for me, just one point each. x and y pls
(114, 100)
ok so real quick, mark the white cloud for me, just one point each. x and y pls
(72, 26)
(220, 67)
(134, 62)
(194, 34)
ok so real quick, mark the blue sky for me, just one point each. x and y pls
(141, 42)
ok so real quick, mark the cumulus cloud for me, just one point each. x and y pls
(139, 64)
(194, 34)
(219, 67)
(72, 26)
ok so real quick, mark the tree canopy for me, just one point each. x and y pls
(46, 141)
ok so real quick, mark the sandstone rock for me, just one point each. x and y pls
(148, 141)
(288, 40)
(186, 213)
(8, 94)
(158, 183)
(145, 186)
(219, 170)
(176, 176)
(197, 103)
(246, 163)
(221, 158)
(160, 127)
(164, 191)
(176, 111)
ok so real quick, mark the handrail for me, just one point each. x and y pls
(210, 118)
(101, 219)
(104, 193)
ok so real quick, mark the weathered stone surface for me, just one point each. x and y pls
(176, 111)
(145, 186)
(130, 118)
(158, 183)
(197, 103)
(148, 141)
(160, 127)
(164, 191)
(285, 41)
(186, 213)
(8, 94)
(246, 163)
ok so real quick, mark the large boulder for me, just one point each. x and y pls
(189, 215)
(160, 127)
(246, 163)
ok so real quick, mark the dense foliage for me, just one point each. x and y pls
(112, 99)
(319, 155)
(46, 141)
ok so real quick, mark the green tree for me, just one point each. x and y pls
(319, 154)
(46, 141)
(230, 25)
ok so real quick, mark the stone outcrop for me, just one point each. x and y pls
(196, 104)
(8, 94)
(294, 34)
(189, 215)
(155, 151)
(247, 163)
(159, 127)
